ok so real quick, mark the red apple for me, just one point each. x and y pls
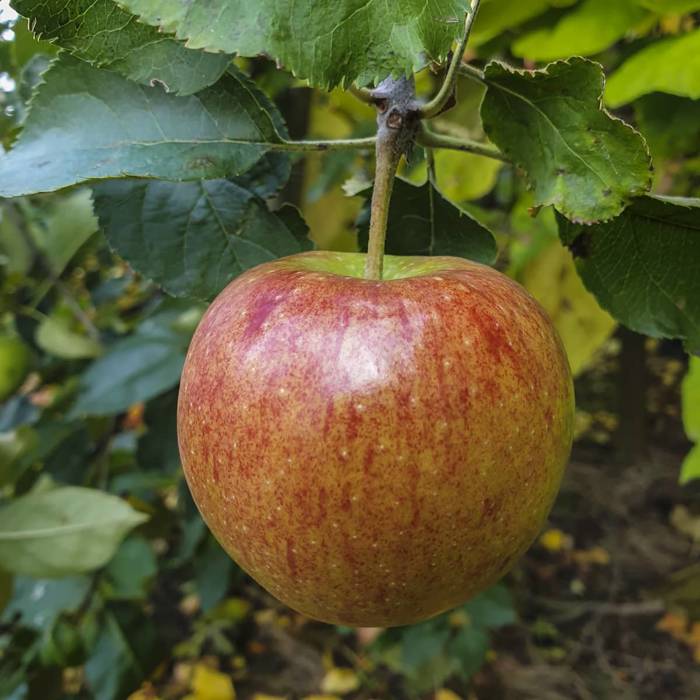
(375, 453)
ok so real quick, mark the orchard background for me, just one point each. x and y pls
(117, 227)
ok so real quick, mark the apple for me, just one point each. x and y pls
(14, 364)
(374, 453)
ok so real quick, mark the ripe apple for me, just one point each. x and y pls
(14, 364)
(374, 453)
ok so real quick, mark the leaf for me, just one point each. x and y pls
(423, 222)
(54, 336)
(213, 569)
(671, 66)
(88, 124)
(691, 400)
(99, 32)
(495, 16)
(642, 266)
(588, 29)
(39, 602)
(671, 125)
(691, 420)
(66, 226)
(576, 156)
(671, 6)
(113, 668)
(690, 469)
(131, 570)
(332, 43)
(340, 681)
(134, 369)
(583, 326)
(63, 531)
(209, 684)
(492, 609)
(194, 238)
(461, 177)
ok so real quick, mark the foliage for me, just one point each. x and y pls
(691, 419)
(143, 161)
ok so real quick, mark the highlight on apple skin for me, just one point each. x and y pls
(374, 453)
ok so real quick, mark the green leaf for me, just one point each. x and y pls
(63, 531)
(495, 16)
(213, 569)
(101, 33)
(588, 29)
(642, 266)
(132, 570)
(671, 125)
(134, 369)
(423, 222)
(194, 238)
(691, 400)
(16, 254)
(39, 602)
(551, 123)
(54, 336)
(691, 466)
(328, 43)
(671, 6)
(691, 420)
(492, 609)
(66, 226)
(114, 668)
(89, 124)
(671, 66)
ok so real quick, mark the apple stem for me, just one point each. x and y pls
(398, 120)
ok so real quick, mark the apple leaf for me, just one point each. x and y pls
(38, 602)
(90, 124)
(671, 66)
(588, 29)
(670, 125)
(101, 33)
(642, 266)
(495, 16)
(132, 370)
(691, 420)
(551, 124)
(423, 222)
(193, 238)
(329, 44)
(63, 531)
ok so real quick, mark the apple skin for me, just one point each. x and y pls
(375, 453)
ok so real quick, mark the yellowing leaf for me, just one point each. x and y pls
(340, 681)
(461, 177)
(552, 279)
(320, 697)
(263, 696)
(555, 540)
(446, 694)
(208, 684)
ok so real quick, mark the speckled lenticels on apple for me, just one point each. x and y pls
(375, 452)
